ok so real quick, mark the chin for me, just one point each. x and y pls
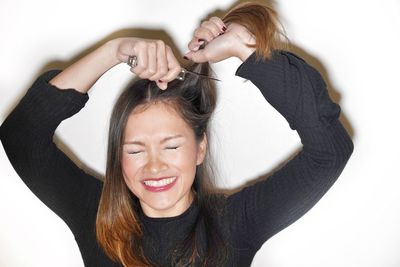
(160, 205)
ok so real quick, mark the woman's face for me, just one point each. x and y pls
(158, 144)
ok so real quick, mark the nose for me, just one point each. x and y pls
(155, 164)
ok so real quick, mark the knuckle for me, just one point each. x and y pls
(204, 23)
(141, 44)
(160, 43)
(141, 67)
(152, 46)
(151, 71)
(214, 18)
(163, 71)
(177, 69)
(197, 32)
(209, 36)
(144, 75)
(215, 31)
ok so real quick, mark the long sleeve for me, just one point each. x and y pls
(299, 94)
(27, 138)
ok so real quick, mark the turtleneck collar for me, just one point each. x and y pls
(189, 214)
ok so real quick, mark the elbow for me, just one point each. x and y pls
(346, 146)
(343, 153)
(333, 155)
(343, 146)
(351, 148)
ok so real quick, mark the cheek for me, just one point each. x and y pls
(187, 162)
(129, 167)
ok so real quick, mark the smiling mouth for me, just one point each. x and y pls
(160, 182)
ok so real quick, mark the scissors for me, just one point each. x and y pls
(181, 76)
(132, 62)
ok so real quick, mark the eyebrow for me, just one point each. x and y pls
(165, 139)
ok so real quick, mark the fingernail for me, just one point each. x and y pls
(224, 28)
(221, 33)
(201, 40)
(160, 81)
(185, 57)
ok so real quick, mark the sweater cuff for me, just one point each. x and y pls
(45, 106)
(243, 70)
(270, 78)
(294, 88)
(72, 97)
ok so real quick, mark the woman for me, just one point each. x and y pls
(157, 205)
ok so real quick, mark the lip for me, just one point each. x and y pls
(159, 188)
(157, 179)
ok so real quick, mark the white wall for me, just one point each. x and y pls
(353, 43)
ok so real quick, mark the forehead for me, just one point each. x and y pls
(156, 121)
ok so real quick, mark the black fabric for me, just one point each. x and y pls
(253, 215)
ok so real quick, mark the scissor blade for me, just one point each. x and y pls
(192, 72)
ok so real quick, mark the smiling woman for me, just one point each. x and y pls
(159, 137)
(158, 204)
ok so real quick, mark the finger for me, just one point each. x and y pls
(141, 61)
(207, 31)
(198, 56)
(220, 24)
(173, 67)
(204, 33)
(161, 85)
(162, 64)
(195, 43)
(151, 61)
(212, 27)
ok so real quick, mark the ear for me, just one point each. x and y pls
(202, 149)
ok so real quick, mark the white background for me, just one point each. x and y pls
(355, 44)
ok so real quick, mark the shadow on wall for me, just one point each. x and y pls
(162, 35)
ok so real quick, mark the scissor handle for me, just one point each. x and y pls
(181, 76)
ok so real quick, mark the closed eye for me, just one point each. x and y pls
(134, 152)
(137, 152)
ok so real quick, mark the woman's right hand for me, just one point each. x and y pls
(223, 41)
(155, 60)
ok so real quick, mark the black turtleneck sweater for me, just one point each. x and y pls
(253, 215)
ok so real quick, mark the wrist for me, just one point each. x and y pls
(245, 52)
(111, 51)
(245, 39)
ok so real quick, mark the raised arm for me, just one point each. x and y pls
(155, 61)
(298, 92)
(27, 133)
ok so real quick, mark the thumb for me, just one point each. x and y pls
(197, 56)
(162, 85)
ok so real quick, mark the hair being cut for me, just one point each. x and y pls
(263, 22)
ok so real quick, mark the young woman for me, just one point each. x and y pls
(157, 205)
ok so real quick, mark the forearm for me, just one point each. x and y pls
(83, 74)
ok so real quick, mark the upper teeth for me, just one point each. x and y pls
(160, 182)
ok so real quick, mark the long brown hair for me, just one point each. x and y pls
(118, 227)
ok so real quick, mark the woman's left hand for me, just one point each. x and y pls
(222, 42)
